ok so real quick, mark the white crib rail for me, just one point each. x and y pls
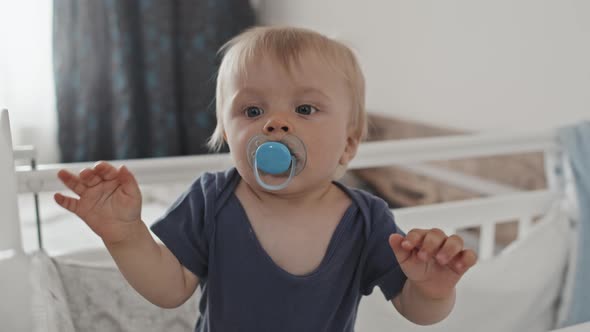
(371, 154)
(147, 171)
(393, 152)
(484, 213)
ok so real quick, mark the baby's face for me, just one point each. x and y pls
(312, 103)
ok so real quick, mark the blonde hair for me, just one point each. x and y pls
(287, 45)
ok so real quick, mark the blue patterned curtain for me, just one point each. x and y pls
(136, 79)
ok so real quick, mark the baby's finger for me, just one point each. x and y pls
(105, 170)
(401, 254)
(433, 241)
(463, 261)
(452, 246)
(130, 186)
(68, 203)
(88, 177)
(71, 181)
(414, 239)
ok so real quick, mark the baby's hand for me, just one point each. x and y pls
(109, 200)
(431, 260)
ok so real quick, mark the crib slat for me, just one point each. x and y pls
(524, 226)
(10, 232)
(486, 241)
(24, 152)
(552, 169)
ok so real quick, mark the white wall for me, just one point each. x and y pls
(26, 77)
(478, 65)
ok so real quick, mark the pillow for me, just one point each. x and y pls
(517, 290)
(50, 308)
(100, 299)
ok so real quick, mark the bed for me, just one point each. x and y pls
(57, 277)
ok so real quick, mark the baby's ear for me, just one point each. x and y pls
(352, 143)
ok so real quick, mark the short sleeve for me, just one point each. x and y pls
(182, 229)
(381, 267)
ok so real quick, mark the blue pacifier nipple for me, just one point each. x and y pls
(275, 158)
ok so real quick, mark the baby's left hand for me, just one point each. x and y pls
(433, 261)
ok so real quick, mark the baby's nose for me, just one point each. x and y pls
(277, 126)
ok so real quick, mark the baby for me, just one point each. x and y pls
(276, 243)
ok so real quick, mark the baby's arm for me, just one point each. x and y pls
(433, 263)
(110, 204)
(152, 269)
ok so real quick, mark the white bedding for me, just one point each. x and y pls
(515, 291)
(73, 295)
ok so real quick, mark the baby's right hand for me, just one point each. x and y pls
(109, 200)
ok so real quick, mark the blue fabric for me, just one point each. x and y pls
(244, 290)
(576, 141)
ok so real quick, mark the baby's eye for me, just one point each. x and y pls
(253, 111)
(305, 109)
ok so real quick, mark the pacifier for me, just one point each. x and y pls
(287, 156)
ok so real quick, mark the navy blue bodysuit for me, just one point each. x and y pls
(244, 290)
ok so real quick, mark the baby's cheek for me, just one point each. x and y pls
(326, 156)
(237, 141)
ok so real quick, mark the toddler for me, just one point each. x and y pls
(275, 243)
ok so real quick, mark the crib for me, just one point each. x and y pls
(49, 286)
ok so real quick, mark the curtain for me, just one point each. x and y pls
(136, 79)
